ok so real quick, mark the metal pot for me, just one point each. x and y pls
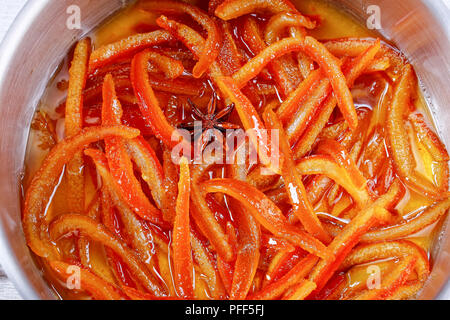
(39, 39)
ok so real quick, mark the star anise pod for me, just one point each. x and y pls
(210, 120)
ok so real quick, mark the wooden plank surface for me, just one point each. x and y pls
(8, 11)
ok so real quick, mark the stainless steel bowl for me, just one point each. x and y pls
(39, 39)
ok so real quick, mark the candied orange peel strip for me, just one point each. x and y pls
(182, 256)
(45, 180)
(74, 122)
(125, 48)
(232, 9)
(310, 46)
(294, 185)
(398, 139)
(267, 214)
(211, 49)
(159, 229)
(97, 232)
(118, 158)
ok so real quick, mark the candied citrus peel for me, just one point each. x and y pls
(293, 217)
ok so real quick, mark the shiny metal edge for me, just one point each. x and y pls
(441, 12)
(11, 41)
(17, 261)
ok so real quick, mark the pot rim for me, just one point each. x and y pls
(18, 29)
(8, 46)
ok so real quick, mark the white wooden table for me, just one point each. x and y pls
(8, 11)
